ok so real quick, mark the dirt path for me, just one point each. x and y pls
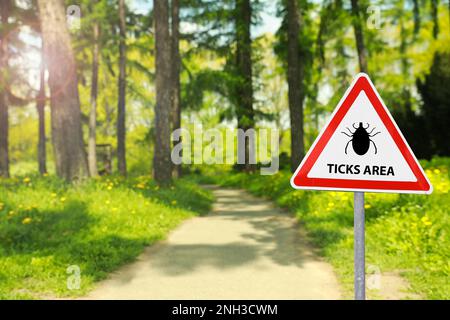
(244, 249)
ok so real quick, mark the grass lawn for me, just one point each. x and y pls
(47, 225)
(405, 233)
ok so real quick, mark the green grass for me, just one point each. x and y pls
(406, 233)
(47, 225)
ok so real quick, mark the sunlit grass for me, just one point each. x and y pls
(47, 225)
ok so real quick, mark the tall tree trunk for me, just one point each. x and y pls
(404, 65)
(162, 166)
(5, 7)
(121, 149)
(244, 90)
(176, 64)
(435, 17)
(67, 136)
(92, 143)
(416, 13)
(295, 85)
(359, 36)
(40, 106)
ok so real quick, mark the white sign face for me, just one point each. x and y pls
(361, 149)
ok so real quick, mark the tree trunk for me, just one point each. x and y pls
(40, 106)
(244, 90)
(121, 156)
(435, 17)
(416, 13)
(162, 166)
(295, 85)
(359, 36)
(5, 7)
(176, 63)
(92, 143)
(67, 136)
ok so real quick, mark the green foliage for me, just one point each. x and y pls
(436, 104)
(47, 225)
(410, 233)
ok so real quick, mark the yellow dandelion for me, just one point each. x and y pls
(27, 220)
(426, 221)
(140, 186)
(437, 171)
(11, 213)
(367, 206)
(53, 195)
(63, 199)
(26, 180)
(109, 187)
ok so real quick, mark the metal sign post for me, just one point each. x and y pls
(360, 275)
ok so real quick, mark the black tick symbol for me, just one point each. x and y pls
(360, 139)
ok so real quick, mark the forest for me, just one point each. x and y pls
(92, 90)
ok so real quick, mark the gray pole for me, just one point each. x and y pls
(360, 277)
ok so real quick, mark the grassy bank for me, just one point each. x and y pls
(406, 233)
(47, 225)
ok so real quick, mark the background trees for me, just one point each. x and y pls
(230, 63)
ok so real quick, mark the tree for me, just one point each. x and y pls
(295, 79)
(162, 167)
(435, 17)
(244, 88)
(436, 104)
(67, 137)
(176, 63)
(92, 142)
(40, 106)
(121, 149)
(5, 8)
(359, 36)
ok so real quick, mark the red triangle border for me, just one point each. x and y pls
(300, 179)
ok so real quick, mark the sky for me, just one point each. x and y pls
(270, 22)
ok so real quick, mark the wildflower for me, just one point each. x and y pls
(26, 180)
(27, 220)
(367, 206)
(437, 171)
(53, 195)
(426, 221)
(109, 187)
(11, 213)
(140, 186)
(45, 174)
(63, 199)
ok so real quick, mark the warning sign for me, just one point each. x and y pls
(361, 149)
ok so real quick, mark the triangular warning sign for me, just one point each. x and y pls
(361, 149)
